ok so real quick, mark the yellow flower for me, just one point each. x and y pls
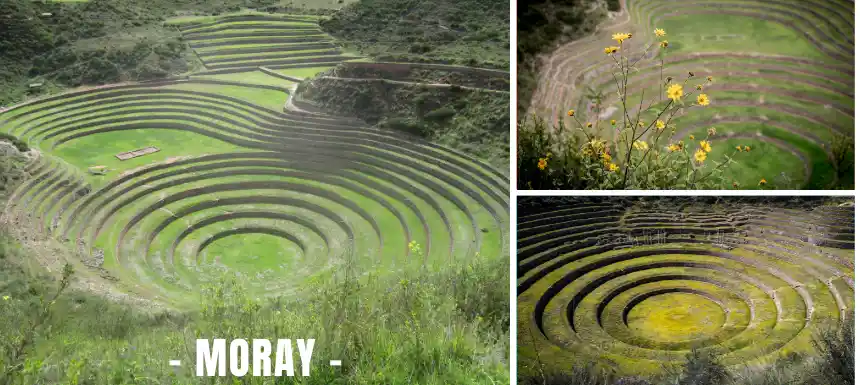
(641, 124)
(659, 32)
(613, 167)
(612, 122)
(5, 297)
(664, 44)
(588, 124)
(569, 112)
(747, 148)
(699, 87)
(606, 157)
(611, 50)
(640, 145)
(660, 124)
(542, 163)
(762, 182)
(703, 100)
(692, 137)
(710, 79)
(738, 148)
(701, 156)
(705, 145)
(675, 92)
(620, 37)
(673, 148)
(712, 131)
(594, 147)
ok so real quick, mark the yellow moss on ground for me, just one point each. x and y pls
(675, 317)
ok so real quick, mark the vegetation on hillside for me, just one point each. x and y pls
(833, 365)
(429, 327)
(432, 328)
(68, 44)
(469, 120)
(542, 26)
(466, 32)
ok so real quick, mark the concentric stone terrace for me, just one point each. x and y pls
(274, 197)
(783, 73)
(244, 42)
(638, 285)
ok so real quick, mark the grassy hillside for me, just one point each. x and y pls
(470, 32)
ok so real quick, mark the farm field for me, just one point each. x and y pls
(239, 164)
(782, 82)
(633, 285)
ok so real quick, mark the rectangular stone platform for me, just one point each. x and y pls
(136, 153)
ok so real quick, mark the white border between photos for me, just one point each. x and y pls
(514, 193)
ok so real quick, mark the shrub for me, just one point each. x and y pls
(842, 153)
(614, 5)
(21, 146)
(405, 125)
(703, 369)
(836, 348)
(440, 114)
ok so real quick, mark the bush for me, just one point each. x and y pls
(614, 5)
(21, 146)
(836, 348)
(440, 114)
(703, 369)
(842, 153)
(405, 125)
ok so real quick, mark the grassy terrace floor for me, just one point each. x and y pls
(633, 286)
(302, 193)
(780, 70)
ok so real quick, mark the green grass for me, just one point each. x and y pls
(251, 77)
(270, 99)
(101, 149)
(265, 55)
(250, 253)
(226, 47)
